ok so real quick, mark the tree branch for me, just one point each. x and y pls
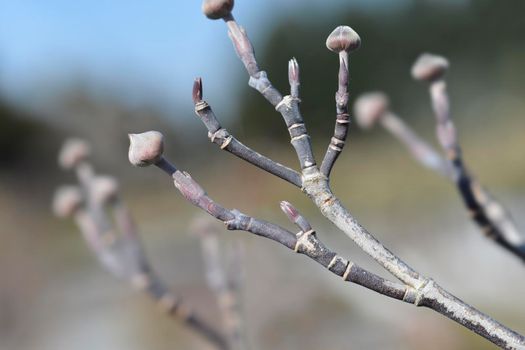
(491, 217)
(222, 138)
(121, 253)
(342, 41)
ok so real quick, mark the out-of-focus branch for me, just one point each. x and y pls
(373, 107)
(120, 251)
(492, 218)
(224, 282)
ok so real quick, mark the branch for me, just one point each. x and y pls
(121, 253)
(288, 105)
(491, 217)
(316, 186)
(222, 138)
(342, 41)
(306, 242)
(374, 107)
(224, 283)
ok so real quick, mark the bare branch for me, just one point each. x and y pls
(491, 217)
(373, 107)
(218, 278)
(288, 105)
(228, 142)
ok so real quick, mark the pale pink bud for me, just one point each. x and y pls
(216, 9)
(104, 189)
(73, 152)
(145, 148)
(369, 108)
(343, 38)
(67, 200)
(429, 67)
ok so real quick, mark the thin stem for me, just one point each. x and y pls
(218, 281)
(306, 243)
(342, 118)
(493, 220)
(222, 138)
(418, 148)
(288, 106)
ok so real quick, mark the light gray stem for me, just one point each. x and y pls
(427, 292)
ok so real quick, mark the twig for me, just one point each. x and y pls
(121, 253)
(343, 40)
(222, 138)
(371, 108)
(222, 281)
(486, 212)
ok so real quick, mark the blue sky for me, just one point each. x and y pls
(142, 49)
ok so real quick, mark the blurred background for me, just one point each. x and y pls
(101, 69)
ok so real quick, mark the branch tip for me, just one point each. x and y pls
(343, 38)
(197, 90)
(217, 9)
(146, 148)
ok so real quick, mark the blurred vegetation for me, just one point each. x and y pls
(483, 40)
(18, 134)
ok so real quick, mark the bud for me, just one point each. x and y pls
(73, 152)
(104, 189)
(145, 148)
(67, 200)
(429, 67)
(293, 72)
(290, 211)
(343, 38)
(369, 108)
(216, 9)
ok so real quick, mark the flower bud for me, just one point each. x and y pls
(290, 211)
(216, 9)
(104, 189)
(343, 38)
(73, 152)
(145, 148)
(429, 67)
(369, 108)
(67, 200)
